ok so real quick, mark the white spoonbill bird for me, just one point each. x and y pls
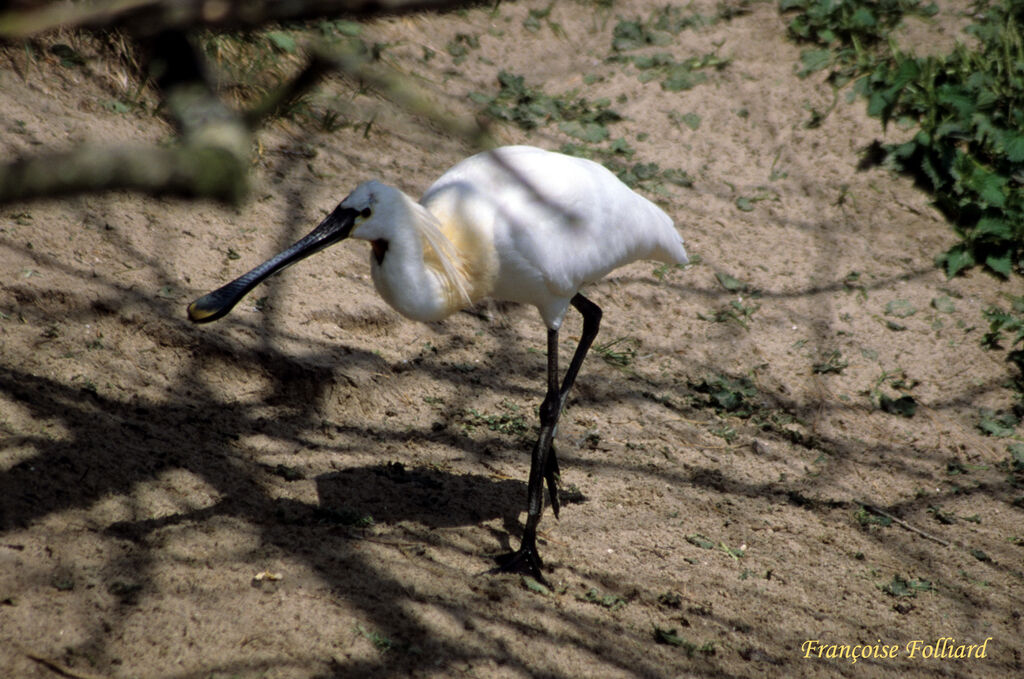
(516, 223)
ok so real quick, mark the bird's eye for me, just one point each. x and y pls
(365, 214)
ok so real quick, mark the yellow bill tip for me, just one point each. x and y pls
(198, 314)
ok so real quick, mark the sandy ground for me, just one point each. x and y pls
(313, 487)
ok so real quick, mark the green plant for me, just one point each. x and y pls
(529, 108)
(831, 362)
(511, 422)
(663, 24)
(736, 311)
(533, 19)
(619, 352)
(968, 107)
(610, 601)
(727, 394)
(1009, 321)
(853, 31)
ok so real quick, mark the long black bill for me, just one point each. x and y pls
(336, 227)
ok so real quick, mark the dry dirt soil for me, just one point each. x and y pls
(313, 486)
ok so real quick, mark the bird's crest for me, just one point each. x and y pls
(442, 254)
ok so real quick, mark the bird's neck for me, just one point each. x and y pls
(417, 270)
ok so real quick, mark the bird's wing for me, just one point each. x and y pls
(570, 218)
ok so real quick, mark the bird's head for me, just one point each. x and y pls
(376, 208)
(363, 214)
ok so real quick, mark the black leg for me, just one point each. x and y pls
(591, 324)
(543, 461)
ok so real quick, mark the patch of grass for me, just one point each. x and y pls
(617, 157)
(664, 271)
(674, 76)
(533, 585)
(943, 304)
(1004, 321)
(529, 108)
(942, 517)
(512, 422)
(849, 32)
(905, 404)
(725, 432)
(659, 30)
(691, 120)
(620, 352)
(901, 587)
(900, 308)
(831, 362)
(251, 64)
(538, 18)
(699, 540)
(460, 46)
(670, 637)
(1011, 322)
(1000, 424)
(967, 106)
(866, 518)
(1016, 461)
(379, 641)
(736, 311)
(662, 25)
(612, 602)
(727, 394)
(730, 282)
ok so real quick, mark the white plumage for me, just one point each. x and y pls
(532, 226)
(517, 223)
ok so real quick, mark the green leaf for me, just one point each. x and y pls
(535, 586)
(1002, 264)
(957, 98)
(1016, 456)
(863, 18)
(699, 540)
(667, 636)
(989, 185)
(115, 106)
(956, 259)
(900, 308)
(1013, 145)
(677, 177)
(682, 77)
(644, 171)
(621, 146)
(998, 228)
(591, 132)
(814, 60)
(904, 406)
(866, 517)
(730, 283)
(900, 586)
(943, 304)
(745, 204)
(999, 425)
(692, 120)
(68, 56)
(282, 41)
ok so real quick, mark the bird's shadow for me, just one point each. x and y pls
(387, 494)
(392, 493)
